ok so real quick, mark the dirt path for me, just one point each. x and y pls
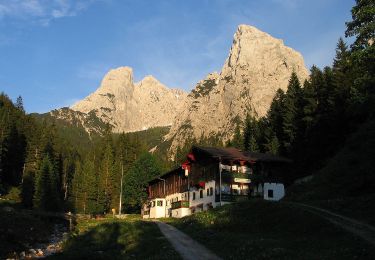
(363, 230)
(188, 248)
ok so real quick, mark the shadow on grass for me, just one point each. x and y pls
(269, 230)
(118, 240)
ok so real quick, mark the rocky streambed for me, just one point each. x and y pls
(43, 249)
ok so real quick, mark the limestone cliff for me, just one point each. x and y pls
(130, 106)
(258, 64)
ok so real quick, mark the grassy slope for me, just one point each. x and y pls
(347, 184)
(130, 238)
(264, 230)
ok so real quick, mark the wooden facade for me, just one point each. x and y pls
(173, 182)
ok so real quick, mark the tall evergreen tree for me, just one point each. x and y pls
(46, 196)
(250, 134)
(237, 140)
(291, 116)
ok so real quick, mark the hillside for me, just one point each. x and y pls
(77, 128)
(266, 230)
(347, 183)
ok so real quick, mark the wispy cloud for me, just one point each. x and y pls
(42, 11)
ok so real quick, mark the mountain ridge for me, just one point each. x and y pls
(132, 106)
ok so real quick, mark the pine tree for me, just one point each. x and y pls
(363, 24)
(291, 116)
(19, 104)
(143, 170)
(46, 196)
(362, 27)
(27, 190)
(237, 140)
(250, 134)
(275, 116)
(90, 188)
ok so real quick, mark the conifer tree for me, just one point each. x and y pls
(275, 114)
(46, 195)
(292, 112)
(143, 170)
(237, 140)
(250, 134)
(19, 104)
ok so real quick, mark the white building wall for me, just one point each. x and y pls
(157, 211)
(172, 198)
(206, 199)
(181, 212)
(277, 190)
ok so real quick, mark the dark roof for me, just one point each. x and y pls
(267, 157)
(177, 170)
(234, 154)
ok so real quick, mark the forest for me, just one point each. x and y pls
(308, 123)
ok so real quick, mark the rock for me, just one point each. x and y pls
(51, 247)
(39, 252)
(8, 209)
(130, 106)
(257, 66)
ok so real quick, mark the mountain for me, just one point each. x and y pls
(129, 106)
(78, 128)
(257, 66)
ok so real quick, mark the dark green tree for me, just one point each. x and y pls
(46, 196)
(250, 134)
(143, 170)
(291, 117)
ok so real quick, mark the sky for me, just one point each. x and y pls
(55, 52)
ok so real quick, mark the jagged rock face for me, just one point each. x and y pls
(256, 67)
(130, 106)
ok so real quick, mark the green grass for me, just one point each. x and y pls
(129, 238)
(259, 229)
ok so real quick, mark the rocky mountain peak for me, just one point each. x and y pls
(129, 106)
(257, 66)
(121, 77)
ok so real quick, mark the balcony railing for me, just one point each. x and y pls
(180, 204)
(236, 176)
(231, 197)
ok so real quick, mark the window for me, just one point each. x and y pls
(270, 193)
(160, 203)
(193, 195)
(211, 191)
(153, 204)
(208, 192)
(201, 194)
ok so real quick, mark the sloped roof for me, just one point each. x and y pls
(235, 154)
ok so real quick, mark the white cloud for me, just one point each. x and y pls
(42, 11)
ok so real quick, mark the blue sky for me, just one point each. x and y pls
(55, 52)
